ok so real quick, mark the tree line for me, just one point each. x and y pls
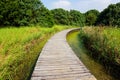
(33, 12)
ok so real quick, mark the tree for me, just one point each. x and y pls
(76, 18)
(45, 17)
(24, 12)
(110, 16)
(91, 17)
(64, 17)
(60, 16)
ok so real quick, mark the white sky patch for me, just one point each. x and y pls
(86, 5)
(66, 4)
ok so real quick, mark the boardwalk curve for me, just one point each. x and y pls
(57, 61)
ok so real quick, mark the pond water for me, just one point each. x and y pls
(95, 68)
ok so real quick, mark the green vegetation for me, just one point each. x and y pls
(76, 18)
(19, 49)
(72, 17)
(78, 47)
(33, 12)
(20, 45)
(45, 18)
(91, 17)
(110, 16)
(24, 13)
(60, 16)
(104, 45)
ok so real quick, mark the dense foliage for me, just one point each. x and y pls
(31, 12)
(103, 40)
(72, 17)
(104, 46)
(110, 16)
(45, 18)
(60, 16)
(76, 18)
(91, 17)
(24, 12)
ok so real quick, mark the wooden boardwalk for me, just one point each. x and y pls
(57, 61)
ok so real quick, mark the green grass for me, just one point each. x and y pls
(104, 44)
(19, 49)
(78, 47)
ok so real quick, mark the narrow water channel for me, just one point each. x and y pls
(95, 68)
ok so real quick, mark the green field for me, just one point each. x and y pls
(19, 49)
(104, 43)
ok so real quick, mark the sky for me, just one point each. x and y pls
(80, 5)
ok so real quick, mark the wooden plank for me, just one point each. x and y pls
(57, 61)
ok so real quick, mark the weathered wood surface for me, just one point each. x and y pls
(57, 61)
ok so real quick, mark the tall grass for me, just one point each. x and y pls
(19, 49)
(105, 46)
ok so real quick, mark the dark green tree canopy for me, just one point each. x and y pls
(110, 16)
(72, 17)
(31, 12)
(18, 12)
(91, 17)
(76, 18)
(60, 16)
(24, 12)
(45, 17)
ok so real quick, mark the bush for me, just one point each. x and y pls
(103, 44)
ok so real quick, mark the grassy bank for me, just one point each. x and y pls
(104, 45)
(19, 49)
(78, 47)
